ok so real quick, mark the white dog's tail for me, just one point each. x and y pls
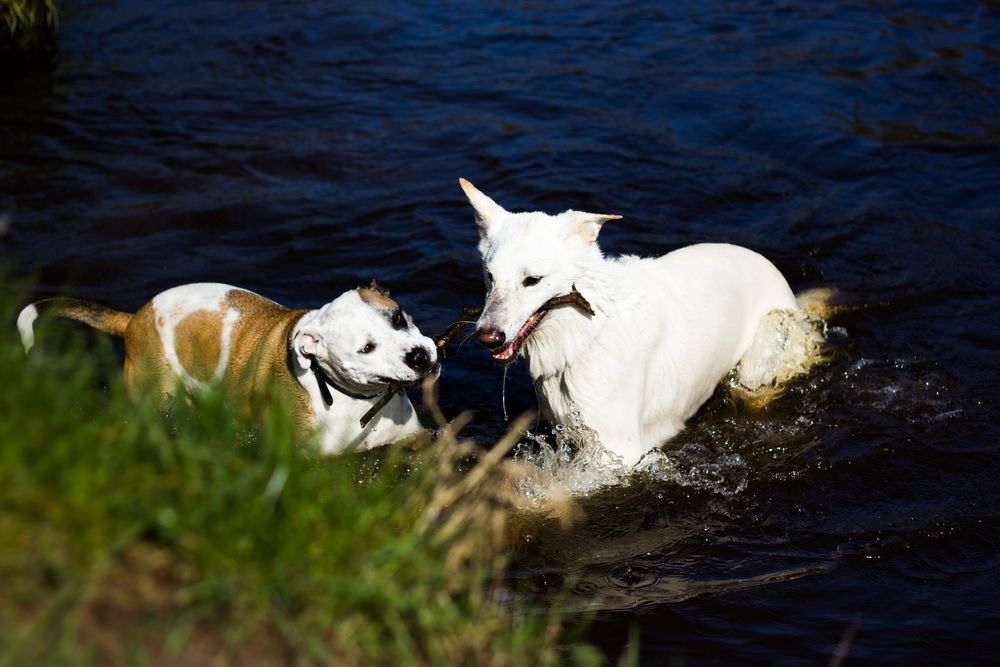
(93, 314)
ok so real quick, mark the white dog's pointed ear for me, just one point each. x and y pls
(486, 209)
(588, 225)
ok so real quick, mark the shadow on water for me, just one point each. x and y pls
(299, 149)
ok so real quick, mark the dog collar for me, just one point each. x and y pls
(325, 382)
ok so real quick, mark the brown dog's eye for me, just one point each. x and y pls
(531, 281)
(398, 320)
(370, 347)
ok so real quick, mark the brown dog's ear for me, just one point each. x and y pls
(378, 289)
(588, 225)
(486, 209)
(307, 342)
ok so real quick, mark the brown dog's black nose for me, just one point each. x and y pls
(418, 359)
(491, 339)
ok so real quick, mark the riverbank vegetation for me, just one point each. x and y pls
(27, 25)
(133, 536)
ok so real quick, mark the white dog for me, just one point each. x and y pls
(330, 364)
(664, 331)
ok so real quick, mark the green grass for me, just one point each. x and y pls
(27, 25)
(129, 536)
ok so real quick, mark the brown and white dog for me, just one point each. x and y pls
(206, 333)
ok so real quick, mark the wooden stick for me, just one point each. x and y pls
(574, 298)
(451, 331)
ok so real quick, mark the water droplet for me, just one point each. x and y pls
(632, 576)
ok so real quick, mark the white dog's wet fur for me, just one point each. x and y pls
(207, 333)
(665, 331)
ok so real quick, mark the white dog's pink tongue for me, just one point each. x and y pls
(507, 352)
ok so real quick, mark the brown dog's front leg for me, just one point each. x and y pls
(463, 319)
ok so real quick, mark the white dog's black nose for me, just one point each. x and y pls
(491, 339)
(418, 359)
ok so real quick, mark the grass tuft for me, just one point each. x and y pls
(131, 535)
(27, 25)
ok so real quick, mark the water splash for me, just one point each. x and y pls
(574, 462)
(786, 344)
(915, 390)
(696, 466)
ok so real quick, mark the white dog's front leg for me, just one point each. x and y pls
(612, 412)
(627, 444)
(619, 434)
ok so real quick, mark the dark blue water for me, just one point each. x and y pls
(298, 149)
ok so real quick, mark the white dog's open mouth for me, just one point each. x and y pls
(506, 353)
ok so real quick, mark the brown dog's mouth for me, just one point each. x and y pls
(506, 353)
(416, 382)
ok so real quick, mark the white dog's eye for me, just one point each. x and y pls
(489, 277)
(368, 348)
(531, 281)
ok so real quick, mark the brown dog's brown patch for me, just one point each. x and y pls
(198, 343)
(377, 298)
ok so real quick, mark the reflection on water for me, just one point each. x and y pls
(297, 149)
